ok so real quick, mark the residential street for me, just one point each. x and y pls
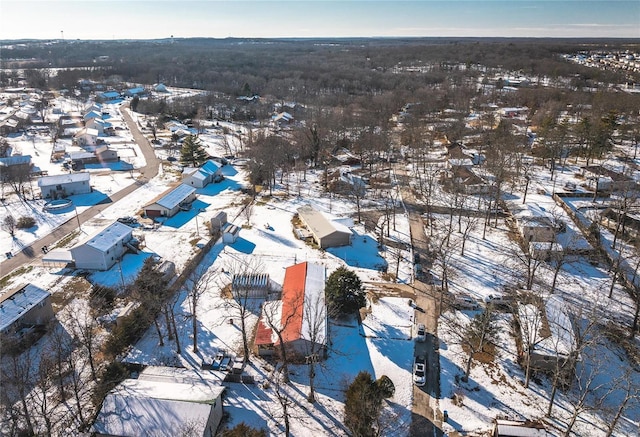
(426, 418)
(33, 252)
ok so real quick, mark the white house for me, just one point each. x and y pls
(162, 402)
(91, 115)
(200, 177)
(86, 138)
(98, 124)
(103, 250)
(168, 204)
(64, 185)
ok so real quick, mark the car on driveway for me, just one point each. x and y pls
(497, 300)
(464, 302)
(128, 220)
(421, 332)
(419, 371)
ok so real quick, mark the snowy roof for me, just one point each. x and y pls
(109, 236)
(253, 281)
(61, 179)
(92, 114)
(146, 408)
(110, 94)
(303, 294)
(509, 428)
(318, 223)
(15, 303)
(87, 131)
(560, 339)
(15, 160)
(176, 196)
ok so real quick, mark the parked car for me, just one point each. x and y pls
(421, 332)
(464, 302)
(497, 301)
(419, 376)
(419, 370)
(128, 220)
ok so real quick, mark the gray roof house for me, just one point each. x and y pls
(200, 177)
(23, 307)
(168, 204)
(63, 185)
(324, 232)
(103, 250)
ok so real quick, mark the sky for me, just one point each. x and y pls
(149, 19)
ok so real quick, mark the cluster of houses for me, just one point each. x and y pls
(25, 109)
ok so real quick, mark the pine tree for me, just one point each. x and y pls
(192, 153)
(344, 292)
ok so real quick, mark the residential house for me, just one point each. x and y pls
(100, 125)
(69, 125)
(543, 250)
(463, 178)
(86, 138)
(536, 229)
(550, 333)
(8, 126)
(324, 232)
(606, 180)
(102, 154)
(303, 315)
(23, 308)
(64, 185)
(162, 402)
(282, 118)
(103, 250)
(200, 177)
(15, 165)
(137, 91)
(90, 115)
(250, 285)
(160, 88)
(169, 203)
(108, 96)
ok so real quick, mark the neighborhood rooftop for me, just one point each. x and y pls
(63, 179)
(106, 238)
(176, 196)
(15, 303)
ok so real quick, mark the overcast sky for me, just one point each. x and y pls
(144, 19)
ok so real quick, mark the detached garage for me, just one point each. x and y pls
(169, 203)
(324, 232)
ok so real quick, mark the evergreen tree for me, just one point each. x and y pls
(192, 153)
(344, 292)
(363, 403)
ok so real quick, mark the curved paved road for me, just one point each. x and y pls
(33, 252)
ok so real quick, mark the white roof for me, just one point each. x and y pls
(561, 341)
(314, 302)
(109, 236)
(160, 402)
(14, 304)
(62, 179)
(319, 224)
(176, 196)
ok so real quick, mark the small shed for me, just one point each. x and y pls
(230, 233)
(168, 204)
(218, 222)
(125, 312)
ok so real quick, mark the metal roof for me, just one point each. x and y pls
(14, 304)
(109, 236)
(176, 196)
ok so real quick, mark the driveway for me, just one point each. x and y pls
(33, 252)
